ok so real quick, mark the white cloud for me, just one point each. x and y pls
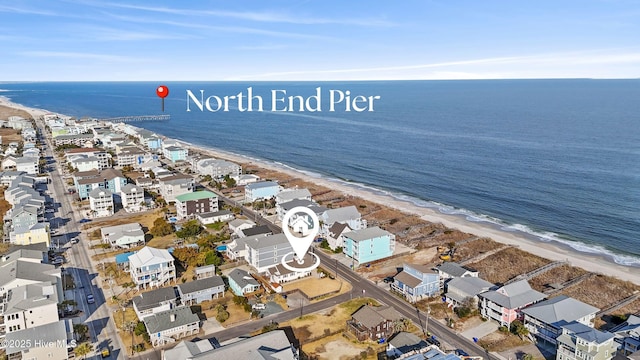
(81, 56)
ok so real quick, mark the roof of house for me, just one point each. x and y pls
(149, 256)
(338, 228)
(454, 269)
(214, 214)
(518, 294)
(261, 184)
(366, 234)
(560, 310)
(20, 269)
(99, 192)
(202, 284)
(153, 298)
(425, 269)
(460, 288)
(292, 194)
(370, 316)
(111, 173)
(31, 296)
(238, 222)
(132, 187)
(188, 349)
(82, 150)
(406, 341)
(584, 332)
(20, 253)
(272, 345)
(307, 261)
(176, 179)
(174, 148)
(261, 242)
(257, 230)
(196, 195)
(408, 279)
(161, 321)
(53, 333)
(242, 278)
(341, 214)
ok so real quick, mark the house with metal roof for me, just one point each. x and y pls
(154, 301)
(504, 304)
(579, 341)
(369, 244)
(151, 267)
(416, 282)
(207, 218)
(459, 289)
(405, 343)
(260, 191)
(545, 319)
(190, 204)
(242, 283)
(292, 194)
(264, 252)
(449, 270)
(197, 291)
(123, 236)
(165, 327)
(373, 322)
(347, 215)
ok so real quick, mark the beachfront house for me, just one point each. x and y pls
(151, 267)
(264, 252)
(241, 283)
(175, 153)
(101, 202)
(346, 215)
(504, 304)
(190, 204)
(101, 157)
(214, 217)
(132, 197)
(545, 319)
(216, 168)
(167, 326)
(628, 335)
(123, 236)
(261, 191)
(335, 235)
(153, 301)
(373, 322)
(197, 291)
(245, 179)
(287, 195)
(416, 282)
(450, 270)
(369, 244)
(109, 179)
(283, 208)
(175, 185)
(578, 341)
(462, 291)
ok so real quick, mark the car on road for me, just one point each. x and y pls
(90, 299)
(432, 340)
(82, 221)
(258, 306)
(461, 353)
(75, 240)
(50, 211)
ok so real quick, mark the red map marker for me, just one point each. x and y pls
(162, 92)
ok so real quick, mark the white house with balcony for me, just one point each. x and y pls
(132, 197)
(151, 267)
(101, 202)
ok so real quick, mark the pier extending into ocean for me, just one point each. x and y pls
(137, 118)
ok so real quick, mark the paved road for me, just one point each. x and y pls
(97, 315)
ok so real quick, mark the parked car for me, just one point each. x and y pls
(258, 306)
(90, 299)
(461, 352)
(104, 352)
(82, 221)
(432, 340)
(50, 211)
(58, 261)
(388, 279)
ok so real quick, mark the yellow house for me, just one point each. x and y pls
(38, 233)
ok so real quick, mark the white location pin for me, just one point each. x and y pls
(307, 226)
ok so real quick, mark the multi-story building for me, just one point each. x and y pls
(151, 267)
(165, 327)
(175, 185)
(101, 156)
(504, 304)
(261, 191)
(109, 179)
(373, 322)
(264, 252)
(416, 282)
(579, 342)
(175, 153)
(216, 168)
(101, 202)
(369, 244)
(132, 197)
(190, 204)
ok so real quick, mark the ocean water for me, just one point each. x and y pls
(556, 159)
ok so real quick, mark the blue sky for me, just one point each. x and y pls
(43, 40)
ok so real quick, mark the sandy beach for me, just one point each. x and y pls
(552, 251)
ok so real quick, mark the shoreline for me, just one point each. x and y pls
(552, 250)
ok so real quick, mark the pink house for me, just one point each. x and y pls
(504, 304)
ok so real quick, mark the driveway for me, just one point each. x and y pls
(480, 331)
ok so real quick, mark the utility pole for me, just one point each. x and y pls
(428, 312)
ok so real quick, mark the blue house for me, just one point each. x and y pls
(241, 283)
(110, 179)
(175, 153)
(154, 143)
(260, 190)
(369, 244)
(415, 282)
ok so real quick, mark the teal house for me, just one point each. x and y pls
(175, 153)
(241, 282)
(369, 244)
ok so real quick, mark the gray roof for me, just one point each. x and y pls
(366, 234)
(154, 298)
(584, 332)
(273, 345)
(406, 342)
(18, 253)
(338, 228)
(408, 279)
(260, 242)
(518, 294)
(30, 296)
(188, 349)
(341, 214)
(238, 222)
(471, 286)
(242, 278)
(97, 192)
(202, 284)
(560, 310)
(370, 316)
(19, 269)
(129, 187)
(257, 230)
(454, 269)
(21, 340)
(214, 214)
(261, 184)
(292, 194)
(117, 231)
(288, 205)
(161, 321)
